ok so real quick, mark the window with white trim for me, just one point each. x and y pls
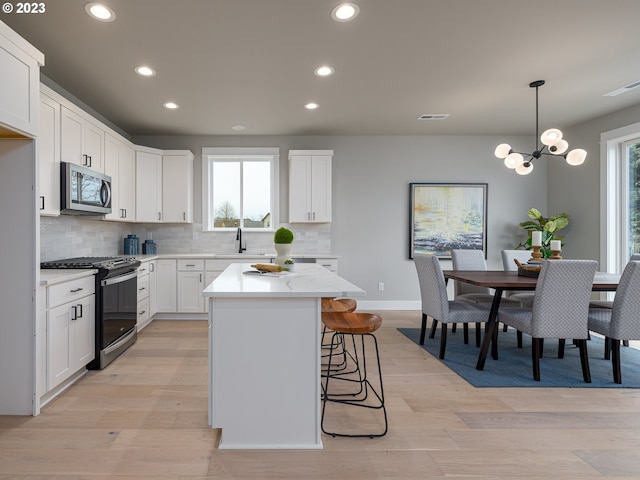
(239, 188)
(621, 189)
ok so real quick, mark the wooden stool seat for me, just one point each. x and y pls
(331, 305)
(351, 322)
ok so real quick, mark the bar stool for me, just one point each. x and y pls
(333, 305)
(352, 325)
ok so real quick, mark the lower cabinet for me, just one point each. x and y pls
(143, 316)
(166, 299)
(70, 329)
(190, 285)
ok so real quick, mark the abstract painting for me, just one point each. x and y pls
(446, 216)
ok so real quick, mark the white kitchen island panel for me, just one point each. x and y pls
(264, 356)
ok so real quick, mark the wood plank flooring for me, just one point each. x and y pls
(145, 416)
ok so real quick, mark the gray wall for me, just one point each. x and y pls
(371, 176)
(576, 190)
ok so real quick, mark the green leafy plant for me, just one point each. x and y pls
(548, 226)
(283, 235)
(288, 262)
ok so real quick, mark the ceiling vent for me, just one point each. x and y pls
(624, 89)
(433, 116)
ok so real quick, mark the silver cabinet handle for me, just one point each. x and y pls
(76, 290)
(42, 203)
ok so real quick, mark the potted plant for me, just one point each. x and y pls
(283, 238)
(288, 263)
(548, 227)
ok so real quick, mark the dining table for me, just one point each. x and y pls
(500, 281)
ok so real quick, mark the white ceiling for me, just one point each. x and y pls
(251, 63)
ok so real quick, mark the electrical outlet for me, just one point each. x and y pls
(380, 287)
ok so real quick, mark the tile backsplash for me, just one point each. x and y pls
(69, 236)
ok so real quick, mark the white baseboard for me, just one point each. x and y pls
(389, 305)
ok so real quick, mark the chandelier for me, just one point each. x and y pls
(552, 144)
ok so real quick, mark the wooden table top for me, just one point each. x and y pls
(509, 280)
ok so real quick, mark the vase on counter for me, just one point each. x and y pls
(283, 251)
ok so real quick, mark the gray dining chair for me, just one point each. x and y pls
(560, 310)
(622, 321)
(435, 303)
(508, 256)
(609, 303)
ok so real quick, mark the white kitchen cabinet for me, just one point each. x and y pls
(81, 140)
(49, 156)
(310, 186)
(143, 310)
(166, 298)
(177, 187)
(190, 285)
(70, 328)
(20, 79)
(120, 165)
(148, 186)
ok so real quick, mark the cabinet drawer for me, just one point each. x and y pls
(190, 264)
(143, 269)
(70, 291)
(143, 311)
(143, 287)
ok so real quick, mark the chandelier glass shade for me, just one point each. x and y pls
(552, 144)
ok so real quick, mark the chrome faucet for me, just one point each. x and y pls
(239, 239)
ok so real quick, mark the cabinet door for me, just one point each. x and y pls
(112, 168)
(84, 333)
(71, 137)
(127, 182)
(190, 286)
(300, 188)
(93, 143)
(177, 180)
(321, 188)
(59, 345)
(148, 187)
(49, 156)
(166, 286)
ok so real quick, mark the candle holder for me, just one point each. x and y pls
(536, 256)
(555, 255)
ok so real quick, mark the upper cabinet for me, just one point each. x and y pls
(82, 141)
(49, 156)
(310, 186)
(120, 165)
(177, 187)
(148, 186)
(20, 85)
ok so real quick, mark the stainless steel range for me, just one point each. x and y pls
(116, 300)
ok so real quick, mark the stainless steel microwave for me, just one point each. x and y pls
(84, 191)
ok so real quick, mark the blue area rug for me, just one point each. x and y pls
(513, 367)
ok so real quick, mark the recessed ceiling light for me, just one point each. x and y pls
(171, 105)
(238, 128)
(311, 106)
(345, 12)
(324, 71)
(145, 71)
(100, 11)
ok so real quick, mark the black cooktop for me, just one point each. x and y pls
(89, 262)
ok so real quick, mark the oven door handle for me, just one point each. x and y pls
(118, 279)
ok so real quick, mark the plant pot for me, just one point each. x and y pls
(282, 253)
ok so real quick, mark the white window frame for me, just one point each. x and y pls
(613, 199)
(210, 154)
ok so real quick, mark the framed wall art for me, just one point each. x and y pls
(446, 216)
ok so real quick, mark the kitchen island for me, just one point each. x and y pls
(264, 355)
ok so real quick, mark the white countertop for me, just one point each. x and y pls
(308, 280)
(233, 256)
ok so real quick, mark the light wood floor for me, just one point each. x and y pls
(145, 416)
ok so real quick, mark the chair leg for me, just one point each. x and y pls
(465, 333)
(607, 348)
(584, 361)
(536, 349)
(478, 335)
(561, 347)
(541, 347)
(519, 338)
(443, 340)
(434, 325)
(625, 343)
(423, 329)
(454, 327)
(505, 327)
(615, 360)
